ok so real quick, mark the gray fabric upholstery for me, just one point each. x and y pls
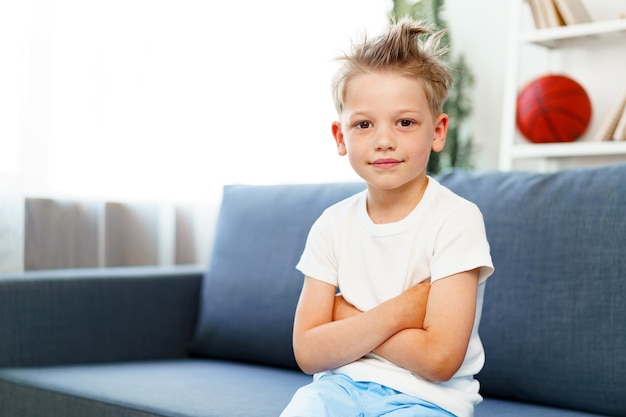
(251, 289)
(500, 408)
(554, 317)
(174, 388)
(80, 316)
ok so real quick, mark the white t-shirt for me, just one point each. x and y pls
(371, 263)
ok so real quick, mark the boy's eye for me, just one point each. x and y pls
(363, 125)
(405, 123)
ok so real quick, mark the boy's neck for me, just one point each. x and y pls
(389, 206)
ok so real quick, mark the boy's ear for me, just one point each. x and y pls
(441, 130)
(338, 135)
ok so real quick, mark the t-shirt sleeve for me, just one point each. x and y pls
(318, 259)
(461, 244)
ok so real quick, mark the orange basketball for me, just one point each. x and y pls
(553, 108)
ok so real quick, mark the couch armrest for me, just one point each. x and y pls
(97, 315)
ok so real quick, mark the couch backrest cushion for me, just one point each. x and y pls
(554, 315)
(251, 288)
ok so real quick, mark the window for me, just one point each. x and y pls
(172, 99)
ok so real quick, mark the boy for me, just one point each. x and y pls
(408, 256)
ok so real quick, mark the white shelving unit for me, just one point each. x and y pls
(584, 40)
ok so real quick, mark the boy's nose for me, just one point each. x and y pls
(385, 141)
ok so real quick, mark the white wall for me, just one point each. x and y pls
(479, 30)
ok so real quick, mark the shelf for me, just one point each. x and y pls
(595, 50)
(575, 34)
(567, 150)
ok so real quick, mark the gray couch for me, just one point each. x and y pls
(187, 342)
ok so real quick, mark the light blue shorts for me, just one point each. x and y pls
(336, 395)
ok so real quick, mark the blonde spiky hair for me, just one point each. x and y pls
(409, 48)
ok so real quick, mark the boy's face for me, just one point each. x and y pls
(387, 130)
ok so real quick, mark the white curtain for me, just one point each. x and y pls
(171, 99)
(14, 32)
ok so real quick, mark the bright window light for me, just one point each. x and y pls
(173, 99)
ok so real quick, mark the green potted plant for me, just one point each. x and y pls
(459, 144)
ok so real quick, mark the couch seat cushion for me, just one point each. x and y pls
(501, 408)
(176, 388)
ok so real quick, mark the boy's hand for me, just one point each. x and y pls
(330, 332)
(410, 306)
(437, 349)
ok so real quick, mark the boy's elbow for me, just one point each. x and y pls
(309, 367)
(442, 367)
(306, 363)
(442, 373)
(305, 367)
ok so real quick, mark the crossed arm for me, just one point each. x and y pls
(426, 329)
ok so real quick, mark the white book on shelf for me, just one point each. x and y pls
(573, 11)
(620, 129)
(553, 19)
(612, 118)
(538, 13)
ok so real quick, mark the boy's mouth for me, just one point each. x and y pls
(385, 163)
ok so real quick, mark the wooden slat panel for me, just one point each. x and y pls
(131, 233)
(195, 229)
(60, 234)
(185, 242)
